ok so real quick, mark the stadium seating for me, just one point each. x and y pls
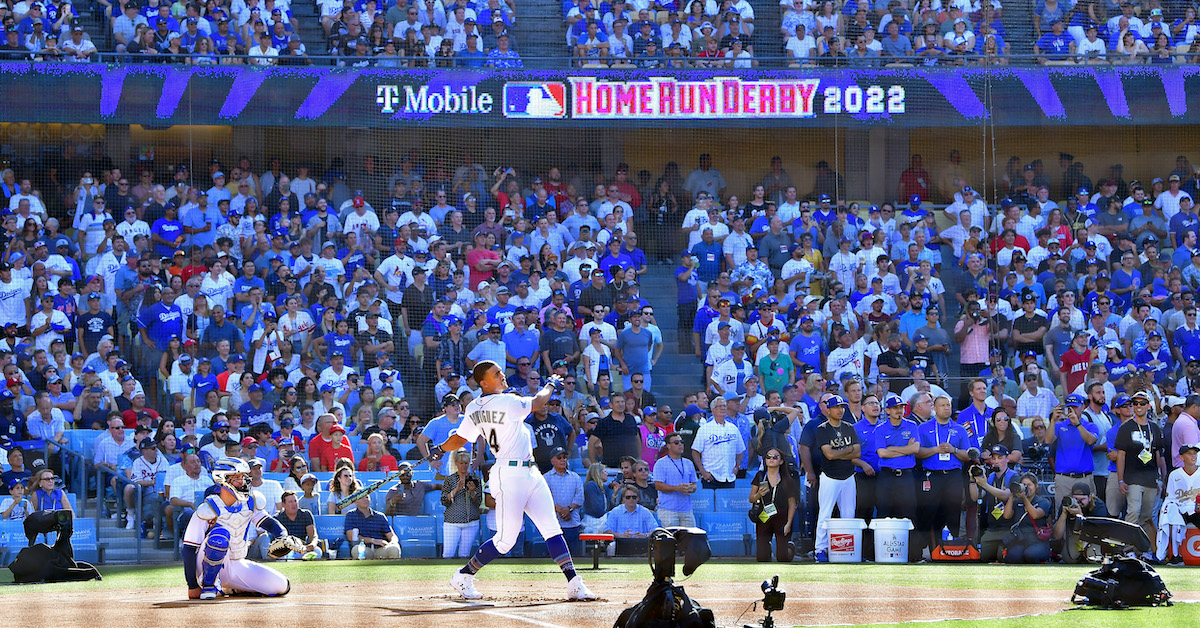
(732, 499)
(729, 533)
(331, 528)
(417, 536)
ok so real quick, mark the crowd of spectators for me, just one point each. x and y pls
(637, 33)
(432, 33)
(316, 324)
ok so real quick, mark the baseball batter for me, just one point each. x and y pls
(515, 483)
(219, 533)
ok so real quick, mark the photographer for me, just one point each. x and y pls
(973, 333)
(992, 488)
(1066, 540)
(1071, 441)
(1023, 546)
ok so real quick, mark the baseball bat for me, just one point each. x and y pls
(373, 486)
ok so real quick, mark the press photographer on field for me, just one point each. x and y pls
(1066, 541)
(1029, 542)
(995, 511)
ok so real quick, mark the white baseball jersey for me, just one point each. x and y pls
(240, 519)
(500, 419)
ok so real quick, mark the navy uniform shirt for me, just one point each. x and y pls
(888, 435)
(932, 434)
(837, 438)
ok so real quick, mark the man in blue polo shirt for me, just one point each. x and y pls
(709, 255)
(371, 529)
(1071, 442)
(896, 443)
(944, 445)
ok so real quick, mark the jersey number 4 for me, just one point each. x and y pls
(493, 443)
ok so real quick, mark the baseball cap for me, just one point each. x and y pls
(557, 451)
(219, 425)
(692, 410)
(835, 401)
(306, 477)
(998, 450)
(1183, 449)
(1074, 401)
(1120, 400)
(893, 401)
(249, 442)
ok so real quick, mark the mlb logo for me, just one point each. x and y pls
(841, 542)
(535, 100)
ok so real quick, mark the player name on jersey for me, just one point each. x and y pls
(487, 416)
(665, 97)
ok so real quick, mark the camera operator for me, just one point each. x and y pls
(1034, 452)
(992, 488)
(1023, 546)
(1066, 539)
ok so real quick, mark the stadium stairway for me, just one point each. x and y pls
(675, 375)
(540, 32)
(768, 41)
(120, 545)
(311, 34)
(1017, 17)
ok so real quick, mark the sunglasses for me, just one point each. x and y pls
(771, 457)
(1141, 402)
(631, 497)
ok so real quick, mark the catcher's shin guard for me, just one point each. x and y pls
(216, 546)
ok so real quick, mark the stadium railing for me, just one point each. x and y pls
(562, 62)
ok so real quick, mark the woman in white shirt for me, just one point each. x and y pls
(218, 285)
(596, 356)
(296, 325)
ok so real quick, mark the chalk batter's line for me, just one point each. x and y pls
(527, 620)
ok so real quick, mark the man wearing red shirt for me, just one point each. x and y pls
(328, 445)
(915, 180)
(138, 413)
(1075, 362)
(483, 262)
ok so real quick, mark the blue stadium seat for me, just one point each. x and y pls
(535, 545)
(403, 450)
(417, 536)
(278, 477)
(12, 540)
(83, 539)
(732, 499)
(703, 501)
(433, 504)
(728, 533)
(332, 528)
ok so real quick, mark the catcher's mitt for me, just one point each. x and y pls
(284, 545)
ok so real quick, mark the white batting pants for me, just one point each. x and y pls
(521, 491)
(245, 576)
(843, 494)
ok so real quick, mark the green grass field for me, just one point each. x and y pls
(793, 577)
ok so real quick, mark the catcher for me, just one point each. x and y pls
(215, 541)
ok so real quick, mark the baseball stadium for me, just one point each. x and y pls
(637, 313)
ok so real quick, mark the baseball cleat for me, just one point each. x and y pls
(465, 584)
(209, 593)
(577, 591)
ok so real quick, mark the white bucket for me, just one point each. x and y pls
(891, 540)
(845, 540)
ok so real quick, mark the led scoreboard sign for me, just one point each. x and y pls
(731, 97)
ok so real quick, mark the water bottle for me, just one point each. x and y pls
(946, 534)
(360, 551)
